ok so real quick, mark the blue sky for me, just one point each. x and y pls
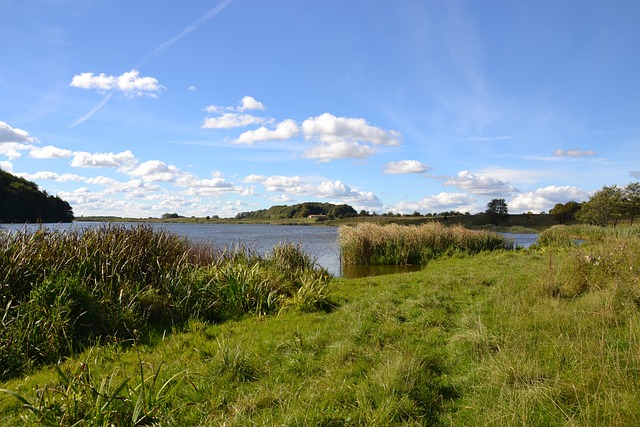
(137, 108)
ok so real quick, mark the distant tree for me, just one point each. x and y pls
(631, 200)
(566, 212)
(604, 208)
(170, 215)
(497, 211)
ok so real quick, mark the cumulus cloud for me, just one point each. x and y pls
(443, 202)
(156, 171)
(546, 198)
(480, 184)
(130, 83)
(52, 176)
(6, 166)
(344, 137)
(11, 134)
(254, 178)
(13, 150)
(207, 187)
(339, 150)
(286, 129)
(13, 141)
(49, 152)
(573, 153)
(330, 129)
(231, 120)
(250, 103)
(285, 184)
(405, 166)
(346, 194)
(82, 159)
(233, 117)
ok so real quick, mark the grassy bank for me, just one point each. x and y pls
(547, 337)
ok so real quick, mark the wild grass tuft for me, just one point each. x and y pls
(374, 244)
(62, 291)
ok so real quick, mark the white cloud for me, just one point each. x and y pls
(49, 152)
(344, 137)
(13, 150)
(11, 134)
(480, 184)
(330, 129)
(250, 103)
(443, 202)
(346, 194)
(52, 176)
(6, 166)
(339, 150)
(231, 120)
(405, 166)
(156, 171)
(129, 83)
(286, 129)
(546, 198)
(573, 153)
(83, 159)
(285, 184)
(230, 117)
(14, 140)
(254, 178)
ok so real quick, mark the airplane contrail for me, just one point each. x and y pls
(88, 115)
(157, 52)
(166, 45)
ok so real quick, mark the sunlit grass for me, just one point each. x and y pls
(374, 244)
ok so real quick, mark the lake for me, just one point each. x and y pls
(321, 243)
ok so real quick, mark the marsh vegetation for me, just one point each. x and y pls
(544, 336)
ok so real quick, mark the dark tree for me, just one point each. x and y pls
(497, 211)
(565, 212)
(22, 201)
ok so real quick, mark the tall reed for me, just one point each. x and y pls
(374, 244)
(61, 291)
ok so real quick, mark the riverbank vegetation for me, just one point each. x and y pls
(63, 291)
(374, 244)
(544, 336)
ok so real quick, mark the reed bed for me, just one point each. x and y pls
(571, 235)
(373, 244)
(62, 291)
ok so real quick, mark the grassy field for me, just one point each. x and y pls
(547, 336)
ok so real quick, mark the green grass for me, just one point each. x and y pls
(498, 338)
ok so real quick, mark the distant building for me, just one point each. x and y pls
(317, 216)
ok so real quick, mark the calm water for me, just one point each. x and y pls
(321, 243)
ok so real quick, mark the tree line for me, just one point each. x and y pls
(609, 205)
(22, 201)
(301, 210)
